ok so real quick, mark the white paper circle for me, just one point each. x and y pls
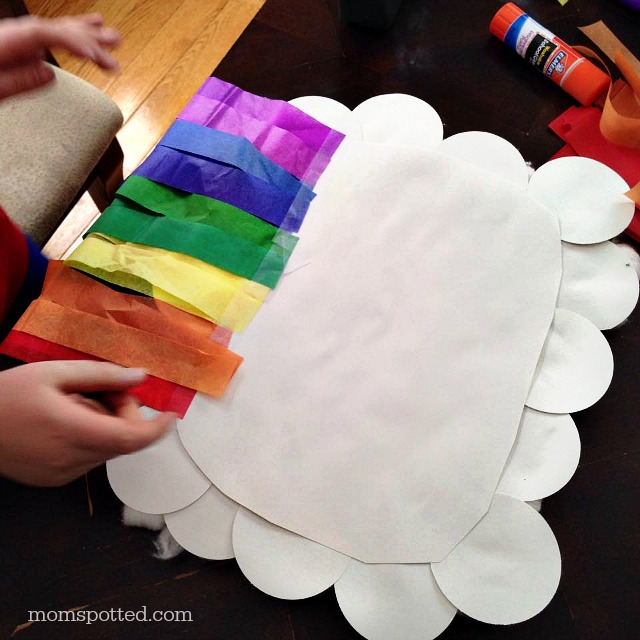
(507, 569)
(331, 113)
(598, 282)
(544, 457)
(384, 601)
(488, 152)
(575, 366)
(281, 563)
(587, 196)
(204, 528)
(158, 479)
(399, 119)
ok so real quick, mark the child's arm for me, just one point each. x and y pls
(24, 42)
(50, 431)
(51, 434)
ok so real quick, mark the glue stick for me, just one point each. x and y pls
(550, 55)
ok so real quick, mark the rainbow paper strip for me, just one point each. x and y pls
(192, 207)
(232, 150)
(148, 323)
(209, 372)
(223, 250)
(75, 290)
(183, 281)
(280, 146)
(222, 182)
(154, 392)
(291, 138)
(275, 112)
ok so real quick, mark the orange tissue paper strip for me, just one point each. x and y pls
(208, 371)
(75, 290)
(83, 314)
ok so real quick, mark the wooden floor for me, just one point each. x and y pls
(169, 47)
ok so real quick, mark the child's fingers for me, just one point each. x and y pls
(24, 78)
(122, 404)
(108, 37)
(102, 58)
(74, 376)
(110, 436)
(90, 403)
(94, 19)
(82, 40)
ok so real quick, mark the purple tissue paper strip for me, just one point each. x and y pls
(223, 182)
(276, 112)
(280, 146)
(277, 143)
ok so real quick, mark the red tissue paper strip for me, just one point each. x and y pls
(156, 393)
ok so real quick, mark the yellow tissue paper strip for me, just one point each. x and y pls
(185, 282)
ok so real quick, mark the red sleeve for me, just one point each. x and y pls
(14, 260)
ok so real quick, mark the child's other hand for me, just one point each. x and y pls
(25, 40)
(50, 434)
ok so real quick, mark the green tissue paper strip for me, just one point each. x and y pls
(174, 203)
(209, 244)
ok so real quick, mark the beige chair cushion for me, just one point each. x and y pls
(51, 140)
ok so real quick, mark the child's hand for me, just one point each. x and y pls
(24, 41)
(50, 434)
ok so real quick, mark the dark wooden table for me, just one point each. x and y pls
(53, 556)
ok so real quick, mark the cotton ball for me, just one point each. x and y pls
(133, 518)
(166, 546)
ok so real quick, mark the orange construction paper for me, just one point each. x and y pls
(620, 122)
(634, 194)
(629, 70)
(608, 42)
(209, 371)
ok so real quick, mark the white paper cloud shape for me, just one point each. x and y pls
(382, 399)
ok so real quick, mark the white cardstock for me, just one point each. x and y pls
(575, 368)
(396, 118)
(587, 196)
(159, 478)
(282, 563)
(507, 569)
(598, 282)
(384, 601)
(489, 153)
(544, 457)
(204, 528)
(384, 380)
